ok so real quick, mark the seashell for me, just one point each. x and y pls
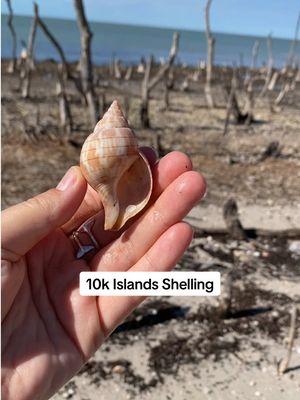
(112, 164)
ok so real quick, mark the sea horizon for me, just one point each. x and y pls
(130, 42)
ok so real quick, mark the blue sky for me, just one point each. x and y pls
(254, 17)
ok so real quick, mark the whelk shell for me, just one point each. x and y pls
(112, 164)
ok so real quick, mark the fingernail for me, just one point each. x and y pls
(67, 181)
(205, 193)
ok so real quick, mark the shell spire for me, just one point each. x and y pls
(113, 165)
(113, 118)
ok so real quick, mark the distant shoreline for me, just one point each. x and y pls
(128, 43)
(260, 37)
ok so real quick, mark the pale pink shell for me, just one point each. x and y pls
(112, 164)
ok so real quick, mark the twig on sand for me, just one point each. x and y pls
(283, 364)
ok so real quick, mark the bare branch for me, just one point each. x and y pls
(284, 364)
(13, 34)
(25, 74)
(270, 65)
(165, 68)
(210, 56)
(86, 67)
(52, 39)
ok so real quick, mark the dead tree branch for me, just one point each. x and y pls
(86, 67)
(284, 364)
(148, 85)
(165, 68)
(270, 65)
(233, 107)
(25, 75)
(210, 56)
(232, 221)
(144, 112)
(12, 66)
(66, 121)
(255, 50)
(52, 39)
(225, 299)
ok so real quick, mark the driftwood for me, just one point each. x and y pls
(270, 65)
(148, 85)
(12, 65)
(283, 365)
(128, 73)
(117, 69)
(232, 221)
(25, 72)
(210, 56)
(225, 299)
(168, 85)
(86, 67)
(255, 50)
(144, 114)
(233, 107)
(52, 39)
(66, 121)
(166, 67)
(184, 87)
(292, 233)
(102, 103)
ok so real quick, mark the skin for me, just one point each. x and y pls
(48, 330)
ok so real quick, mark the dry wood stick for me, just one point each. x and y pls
(52, 39)
(25, 76)
(270, 65)
(255, 49)
(284, 364)
(86, 67)
(66, 121)
(12, 66)
(165, 68)
(210, 56)
(144, 115)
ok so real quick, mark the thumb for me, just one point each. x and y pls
(25, 224)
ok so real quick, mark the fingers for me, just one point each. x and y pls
(162, 256)
(27, 223)
(171, 207)
(164, 173)
(92, 204)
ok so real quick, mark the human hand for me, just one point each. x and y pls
(48, 330)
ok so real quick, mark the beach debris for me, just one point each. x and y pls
(294, 247)
(210, 56)
(283, 365)
(232, 221)
(118, 369)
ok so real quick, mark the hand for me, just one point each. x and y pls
(49, 330)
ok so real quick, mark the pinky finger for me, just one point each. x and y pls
(162, 256)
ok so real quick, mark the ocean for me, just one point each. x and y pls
(129, 43)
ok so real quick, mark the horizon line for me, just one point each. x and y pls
(158, 27)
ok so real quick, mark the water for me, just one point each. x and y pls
(129, 43)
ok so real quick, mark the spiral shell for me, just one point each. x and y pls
(112, 164)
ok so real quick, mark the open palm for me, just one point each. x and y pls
(49, 330)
